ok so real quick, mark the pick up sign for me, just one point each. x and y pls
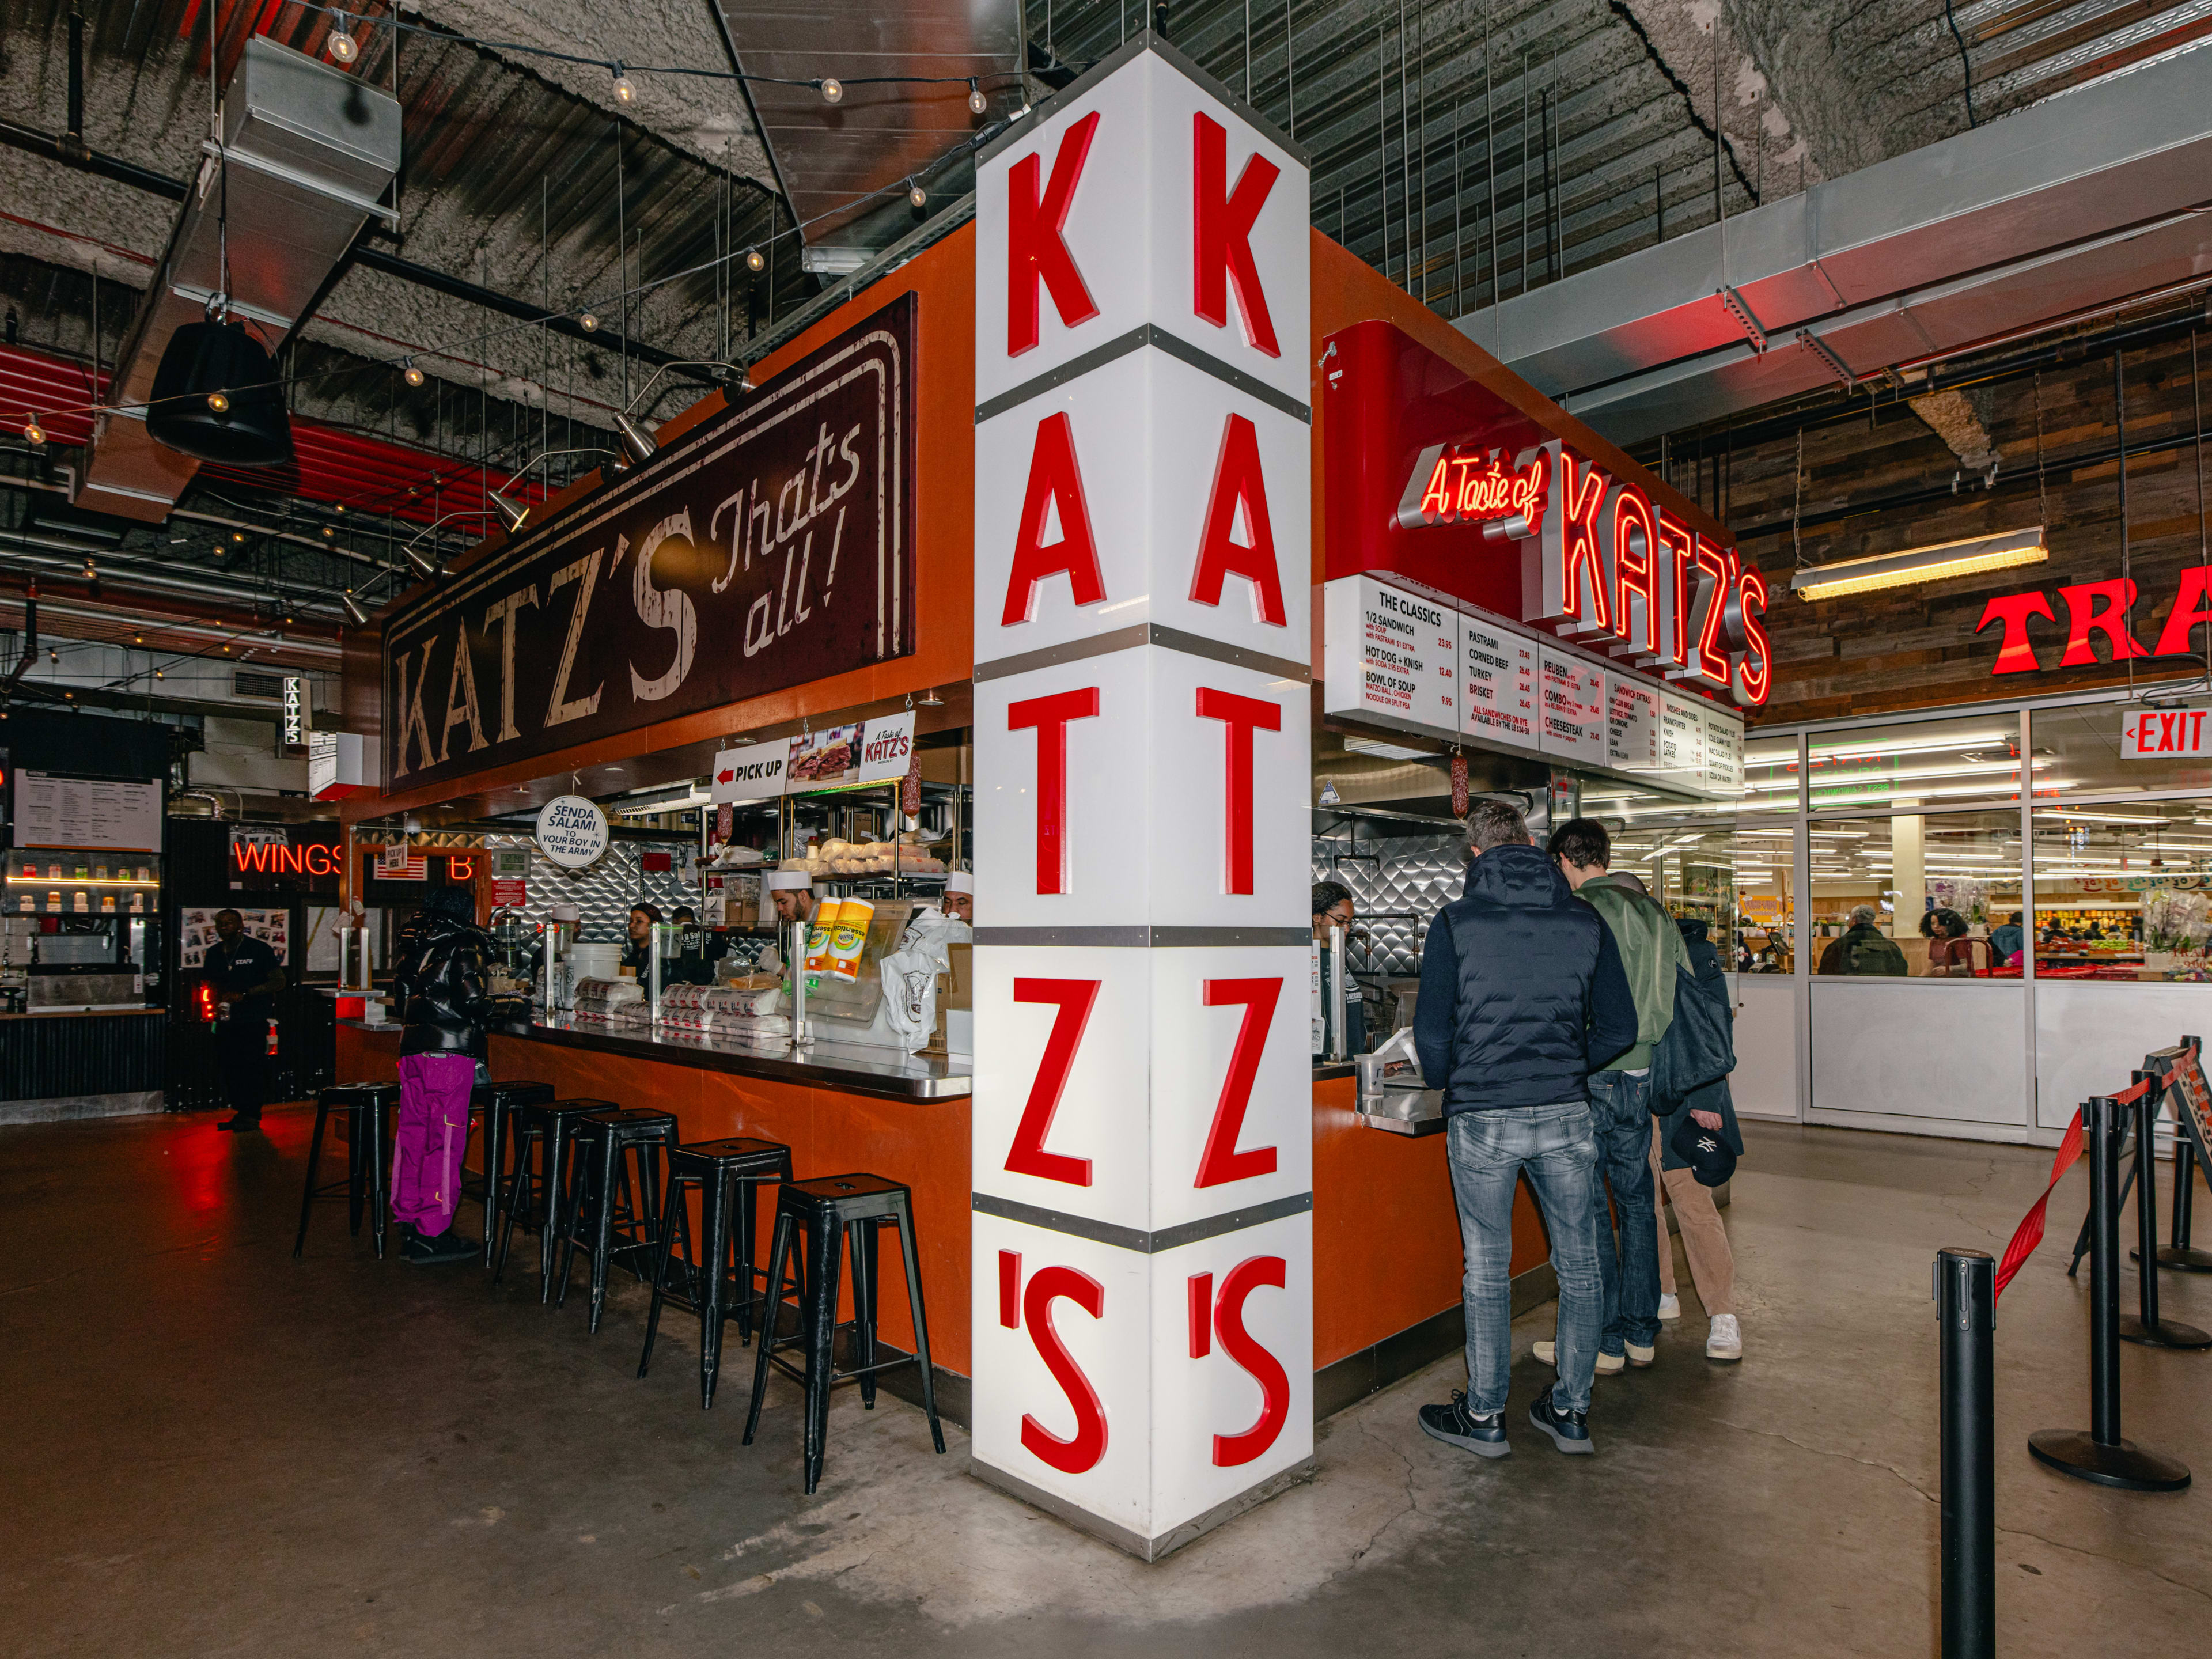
(2165, 733)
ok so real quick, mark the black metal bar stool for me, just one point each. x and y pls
(535, 1177)
(369, 1110)
(606, 1213)
(727, 1176)
(825, 1210)
(495, 1104)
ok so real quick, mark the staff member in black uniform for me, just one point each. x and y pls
(246, 976)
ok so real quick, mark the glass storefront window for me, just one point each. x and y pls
(2121, 889)
(1880, 879)
(2078, 751)
(1974, 757)
(1736, 878)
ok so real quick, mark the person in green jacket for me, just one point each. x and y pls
(1651, 950)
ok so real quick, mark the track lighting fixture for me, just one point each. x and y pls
(356, 611)
(639, 443)
(511, 512)
(421, 561)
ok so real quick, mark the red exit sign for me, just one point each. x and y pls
(2162, 733)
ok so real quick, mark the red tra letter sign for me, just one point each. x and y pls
(1221, 1162)
(2189, 612)
(1055, 488)
(1243, 715)
(1221, 240)
(1050, 716)
(1081, 1451)
(1027, 1156)
(1035, 251)
(2104, 606)
(1239, 1344)
(2016, 656)
(1237, 482)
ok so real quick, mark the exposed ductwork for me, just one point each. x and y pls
(2086, 199)
(306, 152)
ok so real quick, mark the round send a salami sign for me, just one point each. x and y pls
(572, 831)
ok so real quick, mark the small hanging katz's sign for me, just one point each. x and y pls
(770, 545)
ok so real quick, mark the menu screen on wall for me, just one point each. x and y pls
(1392, 655)
(1497, 683)
(1574, 714)
(51, 810)
(1632, 736)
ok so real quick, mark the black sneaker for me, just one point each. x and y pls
(448, 1246)
(240, 1123)
(1570, 1430)
(1456, 1425)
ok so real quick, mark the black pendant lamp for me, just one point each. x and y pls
(216, 398)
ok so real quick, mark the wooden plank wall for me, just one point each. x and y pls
(1915, 646)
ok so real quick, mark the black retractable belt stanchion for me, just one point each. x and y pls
(2145, 1326)
(2178, 1255)
(2102, 1455)
(1966, 1303)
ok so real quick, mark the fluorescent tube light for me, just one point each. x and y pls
(1971, 558)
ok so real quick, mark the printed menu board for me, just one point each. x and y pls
(1681, 743)
(1498, 672)
(1392, 655)
(1632, 735)
(1573, 708)
(1723, 773)
(51, 810)
(1400, 659)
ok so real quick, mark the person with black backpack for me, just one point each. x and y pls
(1688, 1173)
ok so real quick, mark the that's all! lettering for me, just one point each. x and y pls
(2106, 607)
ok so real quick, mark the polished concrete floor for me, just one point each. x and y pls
(209, 1449)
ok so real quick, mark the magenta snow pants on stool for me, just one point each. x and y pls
(431, 1135)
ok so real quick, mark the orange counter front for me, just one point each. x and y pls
(1387, 1260)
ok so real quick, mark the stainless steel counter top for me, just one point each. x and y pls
(822, 1065)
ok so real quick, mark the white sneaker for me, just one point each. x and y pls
(1607, 1363)
(1670, 1306)
(1725, 1342)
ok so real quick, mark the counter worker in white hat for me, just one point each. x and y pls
(791, 894)
(950, 921)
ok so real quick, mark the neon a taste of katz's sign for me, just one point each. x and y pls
(1436, 478)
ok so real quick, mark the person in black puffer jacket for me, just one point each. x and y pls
(442, 983)
(1704, 1241)
(1522, 996)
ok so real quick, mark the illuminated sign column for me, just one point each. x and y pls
(1143, 1304)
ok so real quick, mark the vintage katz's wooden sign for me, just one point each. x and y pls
(770, 545)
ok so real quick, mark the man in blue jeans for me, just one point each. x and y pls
(1522, 997)
(1651, 948)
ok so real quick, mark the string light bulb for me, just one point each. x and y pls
(977, 103)
(219, 402)
(412, 375)
(625, 88)
(343, 46)
(754, 261)
(32, 432)
(588, 323)
(916, 196)
(159, 675)
(833, 90)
